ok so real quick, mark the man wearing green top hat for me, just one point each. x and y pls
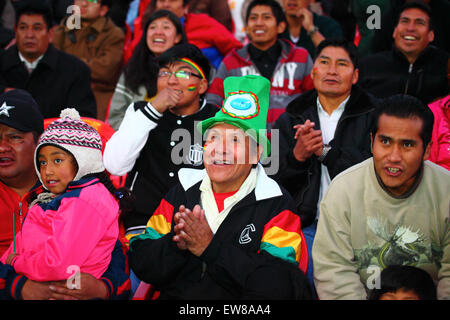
(222, 229)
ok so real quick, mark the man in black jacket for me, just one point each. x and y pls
(156, 139)
(324, 131)
(229, 231)
(413, 66)
(55, 79)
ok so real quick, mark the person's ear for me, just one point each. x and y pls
(103, 10)
(51, 34)
(394, 34)
(427, 152)
(355, 76)
(256, 156)
(178, 38)
(313, 72)
(430, 36)
(281, 27)
(203, 86)
(371, 143)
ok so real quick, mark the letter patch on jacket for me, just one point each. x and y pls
(245, 234)
(196, 154)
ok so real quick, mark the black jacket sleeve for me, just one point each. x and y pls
(116, 277)
(257, 274)
(154, 257)
(156, 261)
(339, 159)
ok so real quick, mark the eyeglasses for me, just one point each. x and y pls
(92, 1)
(180, 74)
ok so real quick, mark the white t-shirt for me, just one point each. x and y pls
(328, 123)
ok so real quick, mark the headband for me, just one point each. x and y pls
(194, 65)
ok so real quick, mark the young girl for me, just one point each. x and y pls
(75, 225)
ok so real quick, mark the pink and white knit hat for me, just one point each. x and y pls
(72, 134)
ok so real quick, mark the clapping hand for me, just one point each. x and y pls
(192, 231)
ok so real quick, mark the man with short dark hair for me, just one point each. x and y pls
(324, 131)
(98, 42)
(413, 66)
(55, 79)
(392, 209)
(286, 66)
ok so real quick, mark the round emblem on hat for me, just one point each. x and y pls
(241, 104)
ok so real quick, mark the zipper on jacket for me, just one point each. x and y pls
(20, 214)
(134, 180)
(203, 269)
(14, 225)
(407, 81)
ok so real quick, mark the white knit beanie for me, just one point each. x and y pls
(75, 136)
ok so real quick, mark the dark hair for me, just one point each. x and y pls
(123, 195)
(417, 4)
(107, 3)
(408, 278)
(348, 46)
(404, 107)
(142, 69)
(277, 10)
(189, 51)
(35, 7)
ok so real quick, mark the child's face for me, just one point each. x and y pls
(57, 168)
(400, 294)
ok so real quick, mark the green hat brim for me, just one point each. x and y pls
(257, 136)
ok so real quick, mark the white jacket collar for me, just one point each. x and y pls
(265, 187)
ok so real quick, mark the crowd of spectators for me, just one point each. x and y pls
(209, 144)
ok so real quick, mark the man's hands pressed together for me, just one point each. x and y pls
(309, 141)
(192, 231)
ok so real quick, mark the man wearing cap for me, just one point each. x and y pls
(21, 123)
(223, 229)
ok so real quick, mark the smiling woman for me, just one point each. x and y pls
(137, 82)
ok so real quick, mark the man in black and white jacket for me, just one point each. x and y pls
(156, 139)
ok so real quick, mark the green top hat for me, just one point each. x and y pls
(245, 106)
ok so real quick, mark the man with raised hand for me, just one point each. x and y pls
(324, 131)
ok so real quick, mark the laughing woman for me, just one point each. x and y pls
(138, 80)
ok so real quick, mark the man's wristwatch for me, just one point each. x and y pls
(326, 148)
(312, 31)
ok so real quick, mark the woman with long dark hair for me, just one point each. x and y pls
(138, 79)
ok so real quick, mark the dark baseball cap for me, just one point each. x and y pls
(20, 111)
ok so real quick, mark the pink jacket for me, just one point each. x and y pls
(78, 228)
(440, 148)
